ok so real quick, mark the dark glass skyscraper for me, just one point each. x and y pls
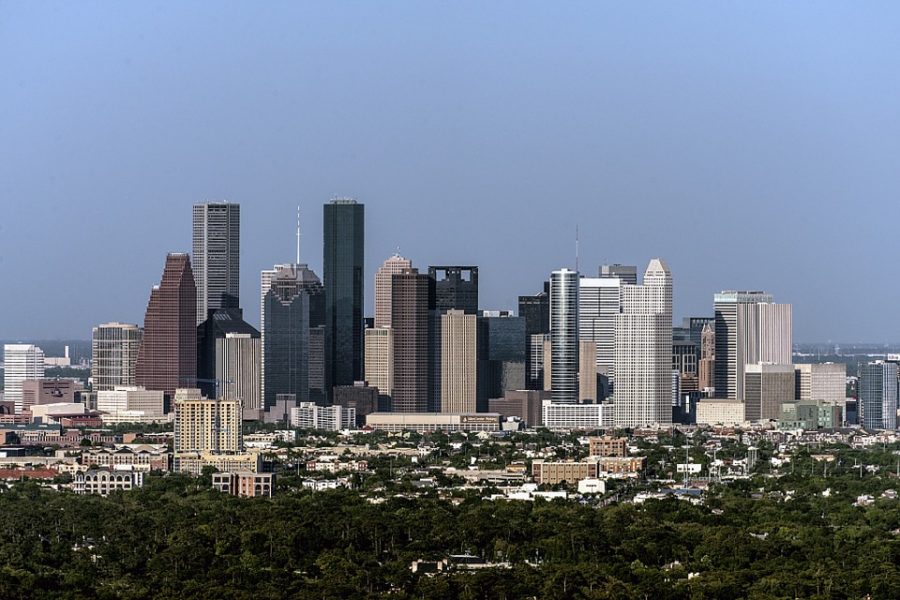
(455, 288)
(343, 267)
(535, 310)
(412, 302)
(295, 320)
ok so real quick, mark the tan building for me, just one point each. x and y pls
(459, 362)
(587, 371)
(608, 445)
(391, 266)
(380, 359)
(621, 465)
(205, 426)
(423, 422)
(720, 411)
(193, 462)
(570, 472)
(525, 404)
(48, 391)
(766, 388)
(825, 382)
(136, 457)
(245, 484)
(103, 482)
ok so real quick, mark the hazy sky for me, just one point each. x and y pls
(752, 145)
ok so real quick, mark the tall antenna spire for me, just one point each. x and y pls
(576, 248)
(298, 234)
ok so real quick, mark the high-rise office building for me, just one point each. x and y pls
(412, 303)
(766, 388)
(229, 352)
(878, 395)
(380, 360)
(598, 304)
(20, 363)
(343, 267)
(626, 273)
(587, 371)
(265, 284)
(293, 337)
(564, 336)
(216, 256)
(455, 288)
(749, 329)
(459, 362)
(114, 351)
(393, 265)
(707, 362)
(502, 352)
(535, 310)
(167, 357)
(643, 363)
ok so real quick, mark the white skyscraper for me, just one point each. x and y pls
(564, 348)
(643, 355)
(598, 304)
(216, 256)
(21, 362)
(750, 329)
(114, 350)
(393, 265)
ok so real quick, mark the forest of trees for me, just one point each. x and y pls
(175, 538)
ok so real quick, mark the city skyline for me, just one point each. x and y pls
(503, 139)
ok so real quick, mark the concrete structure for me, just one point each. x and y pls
(103, 482)
(114, 352)
(878, 395)
(245, 484)
(455, 288)
(380, 360)
(563, 472)
(216, 256)
(424, 422)
(20, 363)
(167, 357)
(720, 411)
(569, 417)
(342, 273)
(643, 364)
(48, 391)
(821, 382)
(412, 296)
(131, 405)
(206, 425)
(293, 336)
(329, 418)
(750, 329)
(607, 446)
(131, 457)
(393, 265)
(524, 404)
(598, 304)
(362, 398)
(587, 372)
(194, 462)
(707, 364)
(766, 388)
(564, 346)
(459, 362)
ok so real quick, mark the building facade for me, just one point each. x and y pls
(564, 347)
(393, 265)
(766, 388)
(114, 352)
(21, 362)
(878, 395)
(412, 299)
(599, 303)
(216, 256)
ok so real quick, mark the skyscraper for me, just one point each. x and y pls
(501, 353)
(535, 310)
(455, 288)
(343, 267)
(380, 360)
(626, 273)
(217, 253)
(114, 351)
(707, 364)
(564, 336)
(394, 264)
(643, 361)
(878, 395)
(20, 363)
(294, 336)
(167, 357)
(598, 305)
(229, 351)
(766, 388)
(750, 329)
(459, 362)
(412, 300)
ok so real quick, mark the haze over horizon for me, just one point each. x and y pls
(750, 146)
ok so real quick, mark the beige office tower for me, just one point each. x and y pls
(548, 371)
(750, 329)
(459, 362)
(643, 392)
(114, 350)
(825, 383)
(238, 367)
(766, 387)
(707, 364)
(388, 269)
(206, 425)
(587, 371)
(379, 353)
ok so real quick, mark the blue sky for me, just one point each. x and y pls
(751, 145)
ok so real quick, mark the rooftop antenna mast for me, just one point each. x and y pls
(576, 249)
(298, 234)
